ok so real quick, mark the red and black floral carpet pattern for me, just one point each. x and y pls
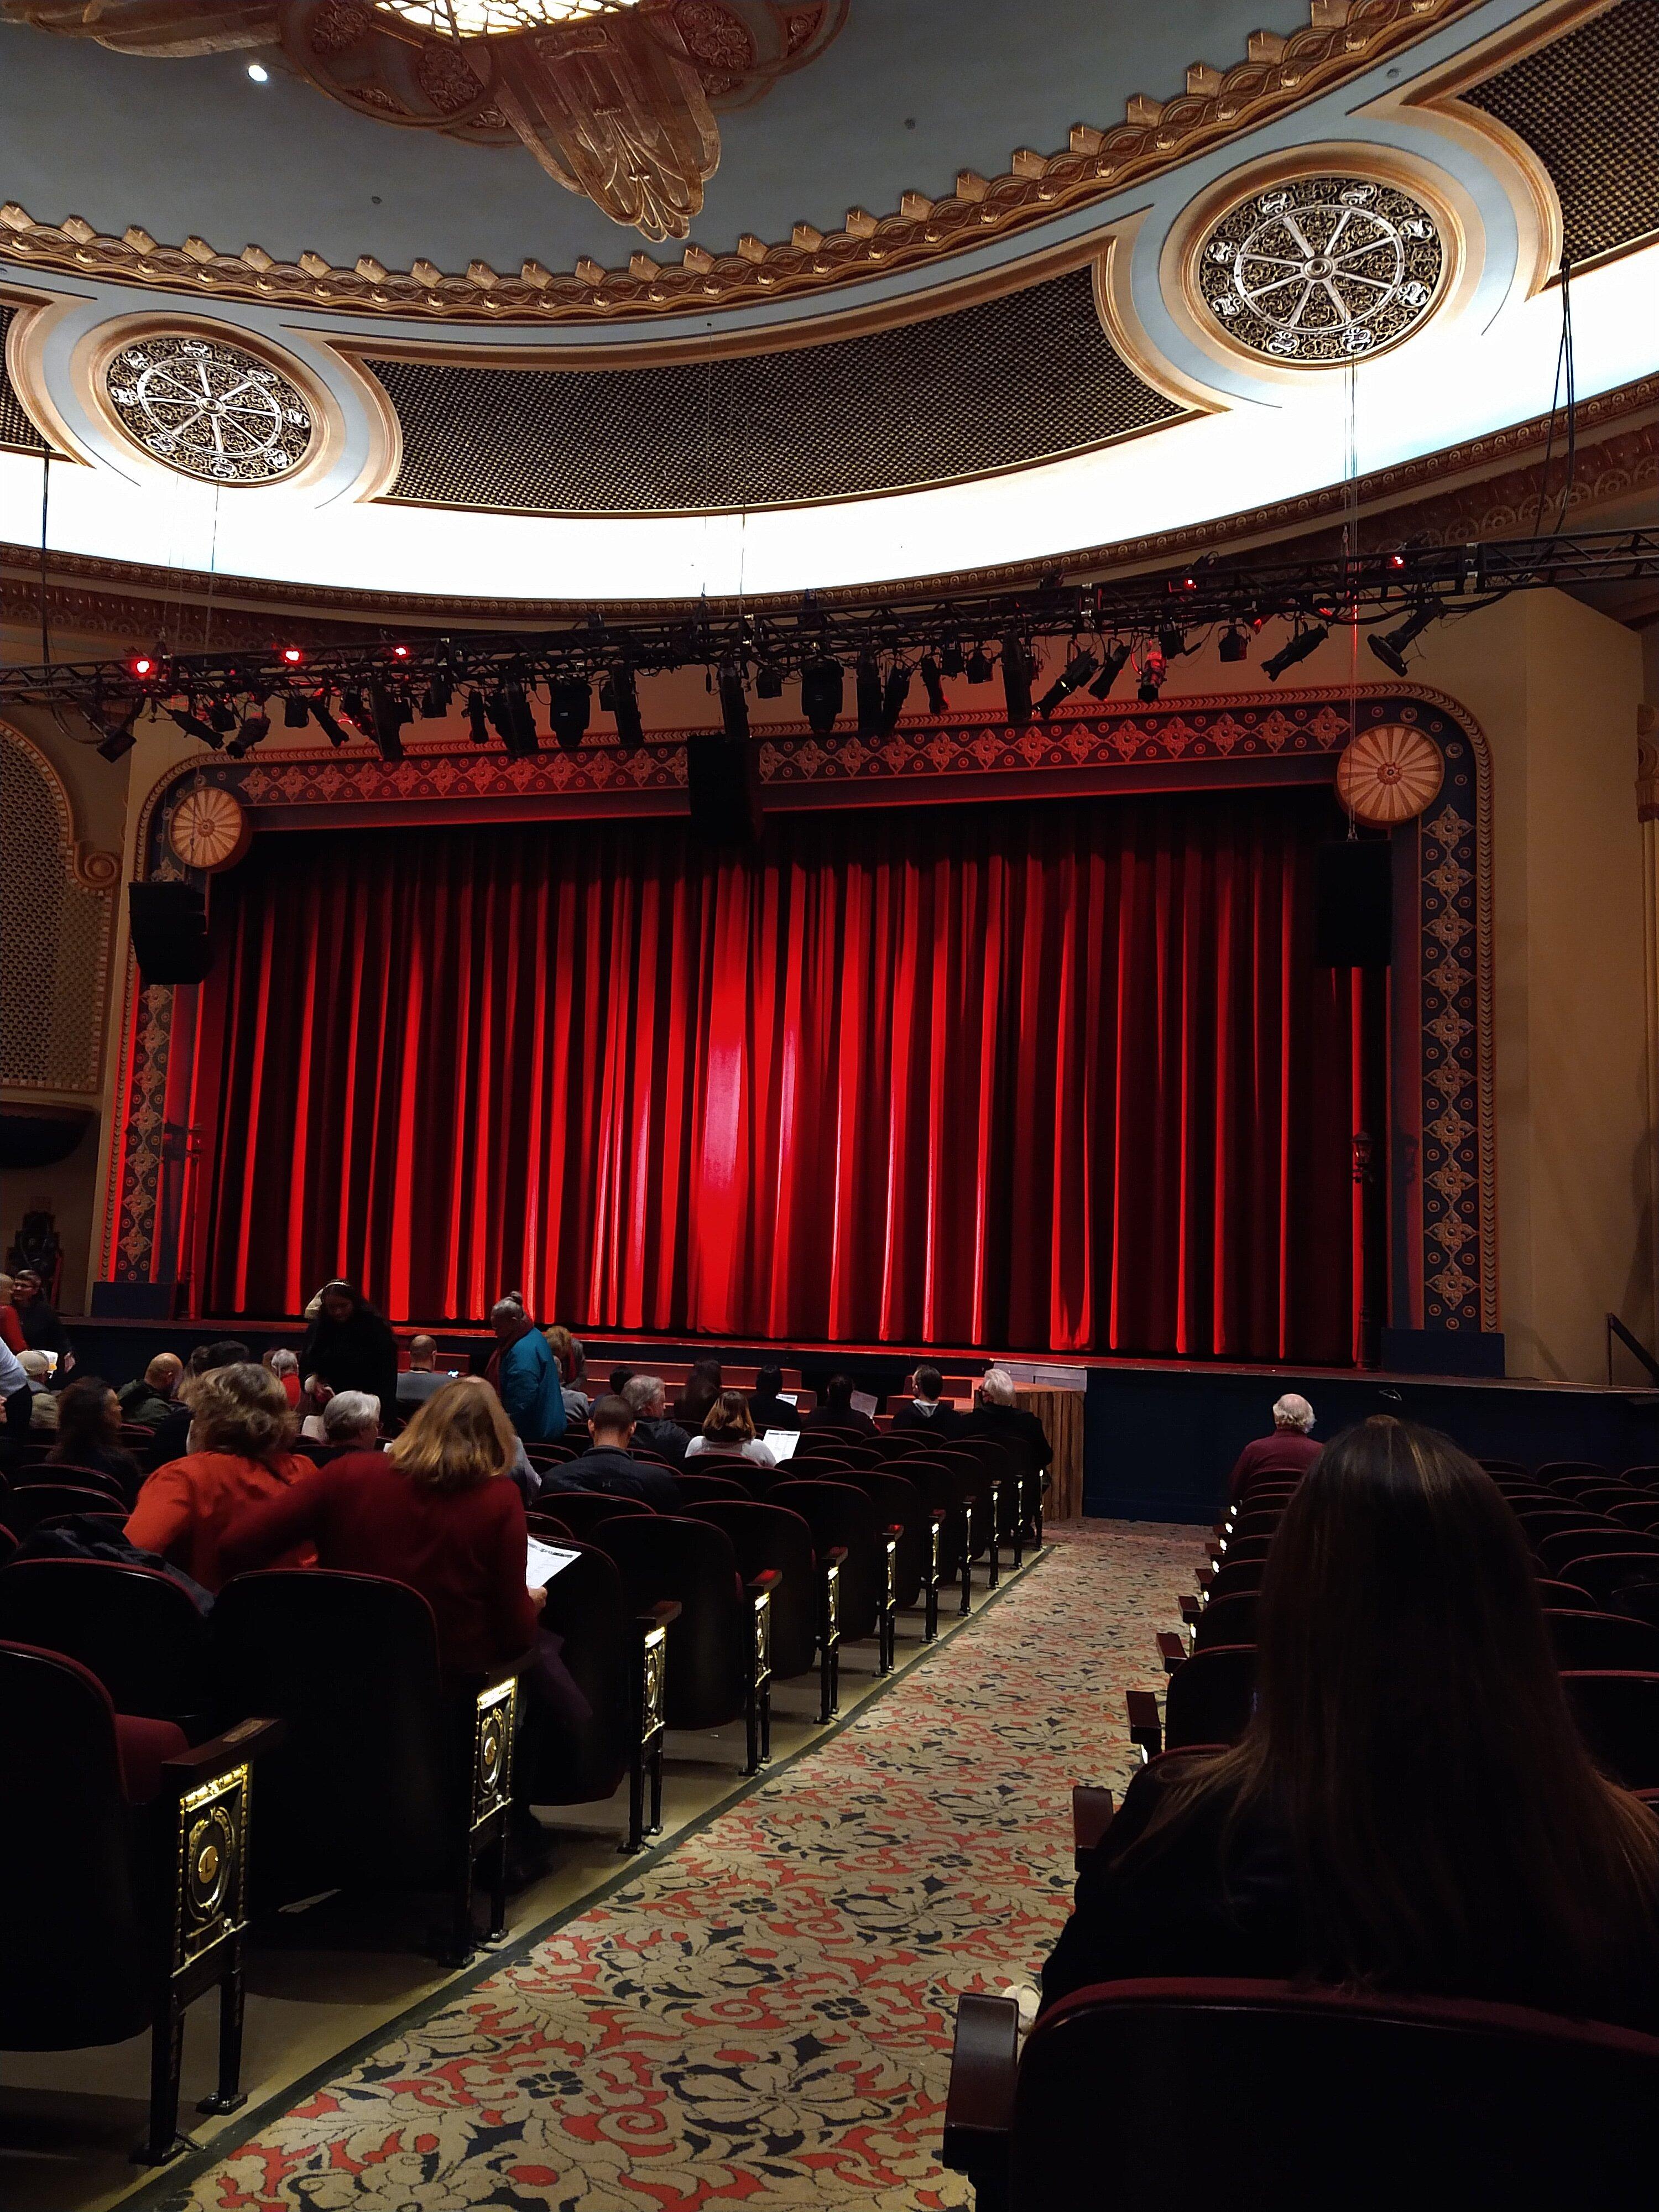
(764, 2017)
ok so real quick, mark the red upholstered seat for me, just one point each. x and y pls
(141, 1745)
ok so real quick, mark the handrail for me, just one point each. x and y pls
(1616, 1327)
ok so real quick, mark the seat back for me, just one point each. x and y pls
(31, 1502)
(84, 1478)
(1585, 1639)
(768, 1536)
(900, 1504)
(582, 1510)
(1608, 1572)
(703, 1489)
(1618, 1714)
(667, 1556)
(840, 1513)
(133, 1628)
(1567, 1549)
(575, 1760)
(77, 1968)
(941, 1488)
(361, 1790)
(1266, 2091)
(1227, 1620)
(1209, 1699)
(1572, 1475)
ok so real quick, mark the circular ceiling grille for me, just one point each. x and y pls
(1323, 270)
(487, 19)
(209, 410)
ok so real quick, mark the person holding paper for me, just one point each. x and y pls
(768, 1406)
(837, 1411)
(728, 1432)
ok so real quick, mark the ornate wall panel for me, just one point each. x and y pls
(55, 923)
(1024, 378)
(17, 433)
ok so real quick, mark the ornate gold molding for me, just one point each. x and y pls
(1342, 38)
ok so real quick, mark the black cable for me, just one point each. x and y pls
(46, 509)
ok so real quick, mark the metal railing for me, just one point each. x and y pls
(1632, 1345)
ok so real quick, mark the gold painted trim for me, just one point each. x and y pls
(1278, 75)
(36, 314)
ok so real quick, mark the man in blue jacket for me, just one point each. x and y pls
(526, 1373)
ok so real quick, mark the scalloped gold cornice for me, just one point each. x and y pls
(1342, 38)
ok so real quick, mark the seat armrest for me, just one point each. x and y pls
(233, 1747)
(1145, 1728)
(1190, 1609)
(837, 1552)
(1171, 1650)
(659, 1616)
(979, 2105)
(1204, 1578)
(767, 1580)
(1091, 1815)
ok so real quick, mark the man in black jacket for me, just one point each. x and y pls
(647, 1400)
(928, 1409)
(995, 1414)
(608, 1465)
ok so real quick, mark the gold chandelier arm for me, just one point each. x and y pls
(168, 29)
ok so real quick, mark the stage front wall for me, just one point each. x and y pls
(1047, 1075)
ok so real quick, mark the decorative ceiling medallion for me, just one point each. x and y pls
(209, 410)
(1321, 269)
(209, 829)
(1389, 775)
(496, 19)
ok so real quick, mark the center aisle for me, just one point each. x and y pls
(765, 2015)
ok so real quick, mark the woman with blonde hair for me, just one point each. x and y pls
(435, 1510)
(241, 1429)
(728, 1432)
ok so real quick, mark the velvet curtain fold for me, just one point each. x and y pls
(1035, 1075)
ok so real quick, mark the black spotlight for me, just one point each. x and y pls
(1294, 649)
(223, 715)
(1077, 670)
(937, 702)
(1391, 648)
(1016, 672)
(249, 731)
(1234, 643)
(734, 702)
(1111, 667)
(194, 725)
(509, 710)
(1154, 670)
(478, 718)
(572, 704)
(326, 723)
(434, 700)
(389, 711)
(352, 706)
(1172, 642)
(868, 690)
(894, 692)
(823, 684)
(979, 666)
(295, 712)
(950, 660)
(118, 734)
(769, 681)
(619, 696)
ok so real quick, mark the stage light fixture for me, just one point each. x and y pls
(354, 710)
(734, 701)
(894, 692)
(389, 711)
(194, 725)
(769, 681)
(619, 696)
(572, 709)
(1294, 649)
(978, 665)
(1154, 670)
(1113, 664)
(937, 702)
(291, 656)
(1172, 642)
(868, 692)
(1234, 643)
(144, 667)
(1080, 667)
(478, 718)
(400, 653)
(250, 731)
(295, 713)
(950, 660)
(823, 687)
(223, 715)
(437, 696)
(1391, 648)
(1018, 669)
(118, 735)
(510, 711)
(323, 715)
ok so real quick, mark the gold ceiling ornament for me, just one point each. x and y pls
(1388, 775)
(613, 97)
(1342, 39)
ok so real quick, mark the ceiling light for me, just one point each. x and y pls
(1234, 643)
(937, 702)
(1110, 669)
(478, 718)
(572, 705)
(950, 660)
(119, 737)
(823, 684)
(619, 696)
(1018, 668)
(868, 692)
(1391, 648)
(497, 19)
(193, 725)
(769, 681)
(1078, 671)
(259, 72)
(894, 695)
(1154, 670)
(390, 710)
(325, 722)
(1297, 649)
(979, 666)
(295, 713)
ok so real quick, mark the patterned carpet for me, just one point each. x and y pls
(764, 2017)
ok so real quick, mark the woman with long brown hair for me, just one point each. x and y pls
(1411, 1808)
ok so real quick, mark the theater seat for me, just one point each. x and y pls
(144, 1747)
(135, 1628)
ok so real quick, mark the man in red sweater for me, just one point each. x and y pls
(1288, 1451)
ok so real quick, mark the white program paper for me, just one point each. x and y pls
(782, 1443)
(789, 1397)
(864, 1403)
(543, 1561)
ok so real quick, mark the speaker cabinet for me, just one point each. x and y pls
(723, 776)
(168, 923)
(1353, 904)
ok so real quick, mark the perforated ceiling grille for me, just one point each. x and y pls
(54, 940)
(15, 428)
(1588, 105)
(1021, 379)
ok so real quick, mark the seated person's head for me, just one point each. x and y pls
(36, 1366)
(559, 1340)
(460, 1436)
(613, 1423)
(26, 1287)
(352, 1417)
(620, 1379)
(507, 1318)
(422, 1351)
(578, 1357)
(838, 1392)
(768, 1381)
(283, 1362)
(728, 1420)
(198, 1362)
(705, 1374)
(341, 1301)
(89, 1415)
(163, 1373)
(996, 1387)
(646, 1397)
(241, 1409)
(929, 1383)
(229, 1352)
(1291, 1412)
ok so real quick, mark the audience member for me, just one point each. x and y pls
(647, 1400)
(431, 1510)
(11, 1325)
(89, 1434)
(995, 1414)
(241, 1431)
(1411, 1808)
(285, 1366)
(15, 1391)
(351, 1421)
(836, 1409)
(350, 1346)
(728, 1432)
(928, 1409)
(1288, 1451)
(42, 1330)
(419, 1380)
(606, 1464)
(147, 1403)
(172, 1433)
(572, 1356)
(314, 1396)
(526, 1373)
(703, 1387)
(769, 1409)
(620, 1379)
(43, 1404)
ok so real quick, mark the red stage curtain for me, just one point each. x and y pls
(1046, 1075)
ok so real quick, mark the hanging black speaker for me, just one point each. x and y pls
(1353, 905)
(168, 925)
(723, 778)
